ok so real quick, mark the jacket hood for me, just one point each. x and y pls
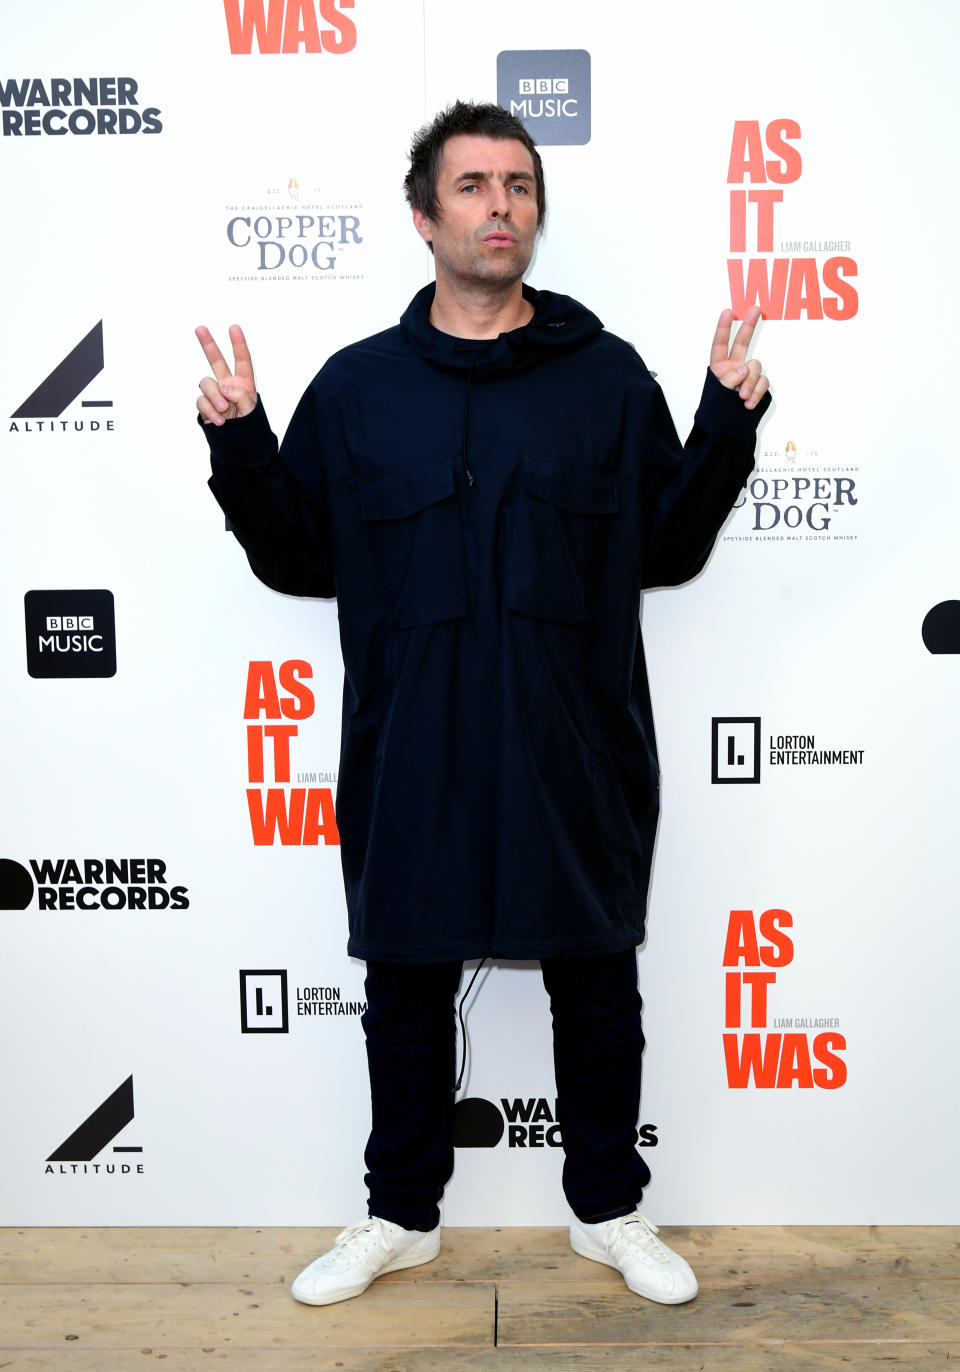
(559, 324)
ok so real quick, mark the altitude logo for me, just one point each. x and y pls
(89, 884)
(287, 26)
(529, 1122)
(812, 276)
(785, 1058)
(264, 1005)
(736, 750)
(74, 105)
(549, 92)
(61, 388)
(77, 1152)
(797, 496)
(70, 633)
(297, 815)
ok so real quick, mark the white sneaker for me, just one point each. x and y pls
(359, 1255)
(630, 1244)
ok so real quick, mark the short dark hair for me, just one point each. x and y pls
(485, 121)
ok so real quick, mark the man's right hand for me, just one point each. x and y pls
(226, 394)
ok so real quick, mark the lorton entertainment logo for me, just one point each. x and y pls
(296, 815)
(809, 277)
(77, 1152)
(548, 91)
(776, 1053)
(41, 411)
(70, 633)
(290, 26)
(797, 495)
(527, 1122)
(264, 1008)
(90, 884)
(289, 233)
(265, 1005)
(56, 106)
(737, 748)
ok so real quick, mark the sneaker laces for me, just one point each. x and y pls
(637, 1229)
(349, 1242)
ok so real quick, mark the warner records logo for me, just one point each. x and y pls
(286, 233)
(289, 26)
(548, 91)
(61, 387)
(77, 1152)
(60, 105)
(89, 884)
(526, 1121)
(70, 634)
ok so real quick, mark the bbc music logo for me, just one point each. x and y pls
(89, 1139)
(70, 633)
(735, 750)
(548, 91)
(60, 389)
(264, 1008)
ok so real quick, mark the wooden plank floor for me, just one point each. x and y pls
(113, 1300)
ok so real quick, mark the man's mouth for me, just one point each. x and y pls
(504, 238)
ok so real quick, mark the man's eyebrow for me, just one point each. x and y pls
(485, 176)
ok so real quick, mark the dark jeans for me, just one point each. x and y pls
(410, 1024)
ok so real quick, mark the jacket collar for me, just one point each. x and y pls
(559, 324)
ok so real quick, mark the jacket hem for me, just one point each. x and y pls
(512, 952)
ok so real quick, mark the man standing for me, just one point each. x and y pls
(487, 488)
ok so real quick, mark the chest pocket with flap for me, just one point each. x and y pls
(562, 518)
(412, 519)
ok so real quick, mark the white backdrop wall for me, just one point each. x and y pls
(807, 622)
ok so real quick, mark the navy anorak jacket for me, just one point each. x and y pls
(487, 514)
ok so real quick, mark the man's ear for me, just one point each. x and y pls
(423, 226)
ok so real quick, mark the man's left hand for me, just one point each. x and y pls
(729, 364)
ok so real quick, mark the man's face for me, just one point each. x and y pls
(487, 211)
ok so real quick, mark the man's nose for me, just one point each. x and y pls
(499, 203)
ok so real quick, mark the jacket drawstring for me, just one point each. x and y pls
(463, 1027)
(471, 480)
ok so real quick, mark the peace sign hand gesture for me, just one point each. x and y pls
(730, 365)
(230, 394)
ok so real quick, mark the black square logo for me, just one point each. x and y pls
(735, 750)
(70, 633)
(263, 1002)
(548, 91)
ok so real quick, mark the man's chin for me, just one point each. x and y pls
(505, 270)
